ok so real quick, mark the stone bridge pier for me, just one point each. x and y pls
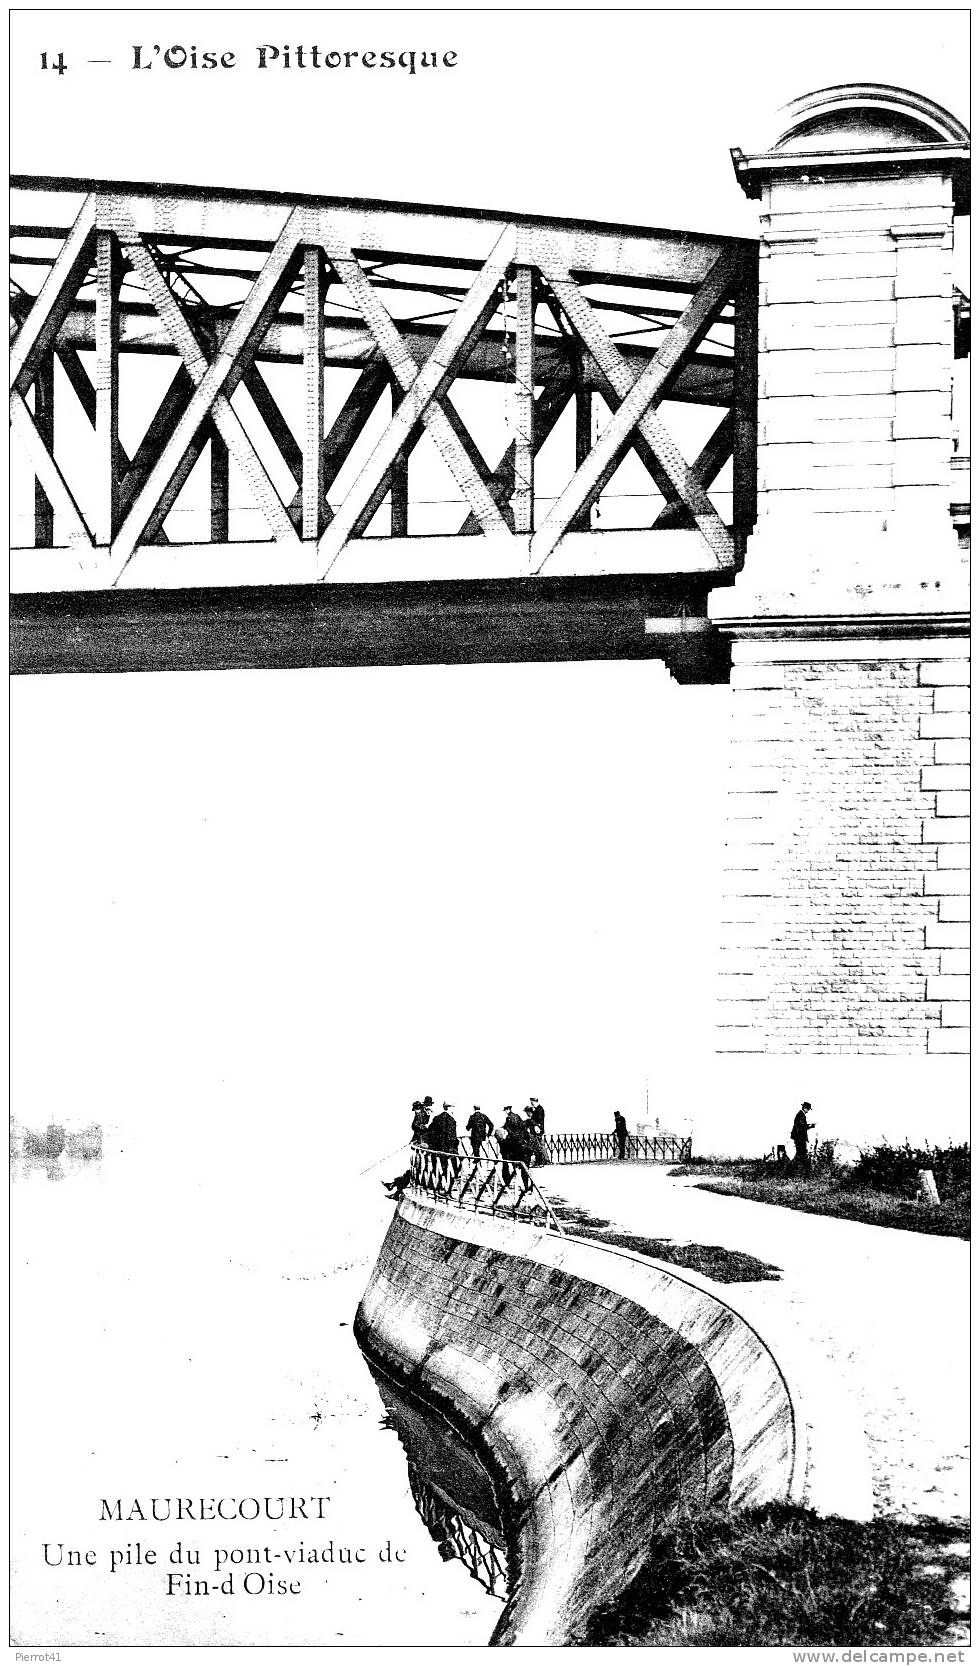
(845, 920)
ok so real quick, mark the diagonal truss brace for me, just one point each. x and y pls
(78, 379)
(549, 405)
(706, 468)
(33, 341)
(422, 389)
(37, 333)
(213, 384)
(56, 488)
(345, 431)
(636, 396)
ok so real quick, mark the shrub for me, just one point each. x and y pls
(823, 1155)
(895, 1169)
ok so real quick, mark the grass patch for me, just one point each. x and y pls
(879, 1189)
(697, 1167)
(713, 1261)
(779, 1576)
(821, 1196)
(725, 1266)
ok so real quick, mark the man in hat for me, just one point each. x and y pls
(479, 1129)
(442, 1136)
(800, 1136)
(622, 1133)
(534, 1140)
(420, 1122)
(515, 1145)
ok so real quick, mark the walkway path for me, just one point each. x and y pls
(870, 1324)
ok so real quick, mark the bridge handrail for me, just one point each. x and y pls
(602, 1148)
(464, 1181)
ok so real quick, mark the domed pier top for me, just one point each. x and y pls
(860, 127)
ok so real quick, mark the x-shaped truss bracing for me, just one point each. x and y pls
(134, 267)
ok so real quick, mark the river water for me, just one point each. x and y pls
(182, 1319)
(254, 918)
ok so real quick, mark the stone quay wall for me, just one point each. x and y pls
(605, 1394)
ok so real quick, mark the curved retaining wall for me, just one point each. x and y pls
(606, 1394)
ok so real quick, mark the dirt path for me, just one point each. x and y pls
(873, 1323)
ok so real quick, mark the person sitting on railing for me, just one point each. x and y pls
(442, 1136)
(396, 1188)
(479, 1129)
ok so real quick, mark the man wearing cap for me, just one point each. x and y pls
(538, 1156)
(420, 1122)
(479, 1128)
(515, 1145)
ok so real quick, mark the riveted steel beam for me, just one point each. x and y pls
(421, 389)
(213, 384)
(706, 379)
(314, 294)
(637, 397)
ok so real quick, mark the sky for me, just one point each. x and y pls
(608, 113)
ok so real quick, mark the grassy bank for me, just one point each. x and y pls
(880, 1189)
(725, 1266)
(782, 1577)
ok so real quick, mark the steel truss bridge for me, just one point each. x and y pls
(257, 430)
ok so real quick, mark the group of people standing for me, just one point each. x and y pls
(519, 1139)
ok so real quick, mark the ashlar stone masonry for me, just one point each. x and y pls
(845, 925)
(844, 914)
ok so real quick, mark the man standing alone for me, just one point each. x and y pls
(621, 1133)
(799, 1135)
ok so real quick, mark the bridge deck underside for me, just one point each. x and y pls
(275, 627)
(371, 392)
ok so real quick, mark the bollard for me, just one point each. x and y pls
(928, 1192)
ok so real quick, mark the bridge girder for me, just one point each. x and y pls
(548, 310)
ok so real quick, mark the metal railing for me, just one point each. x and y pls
(494, 1185)
(604, 1148)
(458, 1539)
